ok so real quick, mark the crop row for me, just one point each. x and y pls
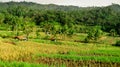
(83, 58)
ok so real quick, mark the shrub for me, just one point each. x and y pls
(93, 35)
(46, 37)
(112, 32)
(86, 40)
(117, 43)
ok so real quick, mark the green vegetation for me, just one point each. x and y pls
(117, 43)
(58, 18)
(93, 34)
(31, 51)
(20, 64)
(24, 64)
(84, 58)
(35, 35)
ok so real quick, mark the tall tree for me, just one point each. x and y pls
(28, 27)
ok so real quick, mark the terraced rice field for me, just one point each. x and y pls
(65, 54)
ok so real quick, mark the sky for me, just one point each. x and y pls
(81, 3)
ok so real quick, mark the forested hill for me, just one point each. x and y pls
(38, 6)
(5, 5)
(31, 5)
(115, 7)
(107, 17)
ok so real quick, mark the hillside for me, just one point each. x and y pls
(32, 5)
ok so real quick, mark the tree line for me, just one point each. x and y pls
(17, 16)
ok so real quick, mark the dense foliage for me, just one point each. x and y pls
(15, 15)
(117, 43)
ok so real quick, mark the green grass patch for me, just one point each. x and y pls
(101, 52)
(47, 41)
(24, 64)
(20, 64)
(82, 58)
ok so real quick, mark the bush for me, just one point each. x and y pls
(112, 32)
(93, 35)
(46, 37)
(86, 40)
(117, 43)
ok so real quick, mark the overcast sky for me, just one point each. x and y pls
(82, 3)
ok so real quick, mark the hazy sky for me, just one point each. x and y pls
(82, 3)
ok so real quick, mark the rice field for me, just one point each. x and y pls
(63, 53)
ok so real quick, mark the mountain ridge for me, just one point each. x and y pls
(33, 5)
